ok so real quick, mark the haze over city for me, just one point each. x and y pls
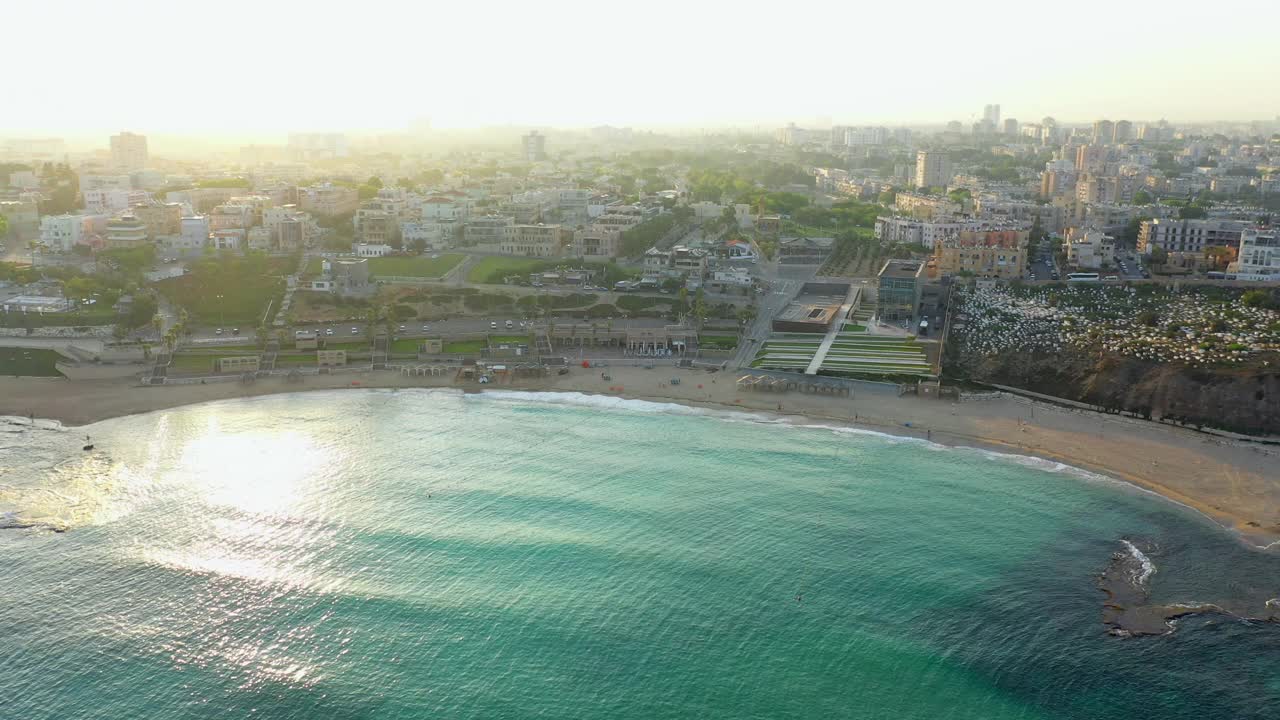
(254, 70)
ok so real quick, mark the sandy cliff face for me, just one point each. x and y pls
(1246, 400)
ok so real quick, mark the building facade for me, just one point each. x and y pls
(128, 151)
(933, 169)
(997, 254)
(1188, 236)
(533, 240)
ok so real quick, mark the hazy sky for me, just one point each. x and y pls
(269, 66)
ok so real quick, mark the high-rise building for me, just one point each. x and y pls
(933, 169)
(1103, 130)
(1122, 132)
(991, 114)
(317, 146)
(1011, 126)
(535, 146)
(128, 151)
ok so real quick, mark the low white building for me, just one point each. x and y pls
(193, 233)
(431, 235)
(1259, 258)
(60, 233)
(1092, 251)
(368, 250)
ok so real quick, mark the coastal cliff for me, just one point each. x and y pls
(1245, 400)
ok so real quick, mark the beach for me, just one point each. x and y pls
(1235, 483)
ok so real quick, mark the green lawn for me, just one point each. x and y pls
(494, 269)
(29, 362)
(354, 346)
(422, 266)
(405, 345)
(853, 327)
(192, 363)
(509, 338)
(718, 342)
(221, 350)
(242, 303)
(464, 347)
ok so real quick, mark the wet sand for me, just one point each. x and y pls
(1234, 483)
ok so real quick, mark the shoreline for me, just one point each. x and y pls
(1229, 482)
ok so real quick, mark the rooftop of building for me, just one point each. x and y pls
(901, 270)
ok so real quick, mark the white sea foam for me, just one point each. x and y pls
(1144, 562)
(15, 423)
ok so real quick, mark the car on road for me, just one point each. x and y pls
(401, 328)
(329, 331)
(510, 324)
(218, 331)
(235, 331)
(493, 324)
(355, 331)
(426, 328)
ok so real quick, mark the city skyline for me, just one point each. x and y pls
(676, 67)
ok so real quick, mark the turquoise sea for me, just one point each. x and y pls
(425, 554)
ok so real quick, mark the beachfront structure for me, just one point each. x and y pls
(901, 283)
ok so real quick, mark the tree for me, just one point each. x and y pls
(1159, 256)
(374, 181)
(1256, 299)
(4, 225)
(1192, 212)
(746, 315)
(1142, 197)
(262, 334)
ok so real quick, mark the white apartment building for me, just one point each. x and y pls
(1259, 257)
(227, 239)
(431, 235)
(933, 168)
(488, 230)
(228, 215)
(908, 230)
(193, 233)
(328, 199)
(60, 233)
(857, 136)
(1092, 251)
(259, 238)
(112, 200)
(1189, 236)
(443, 207)
(129, 151)
(127, 231)
(533, 240)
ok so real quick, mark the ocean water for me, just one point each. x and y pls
(425, 554)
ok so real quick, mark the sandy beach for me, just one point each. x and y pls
(1234, 483)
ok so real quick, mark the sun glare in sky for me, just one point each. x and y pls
(242, 68)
